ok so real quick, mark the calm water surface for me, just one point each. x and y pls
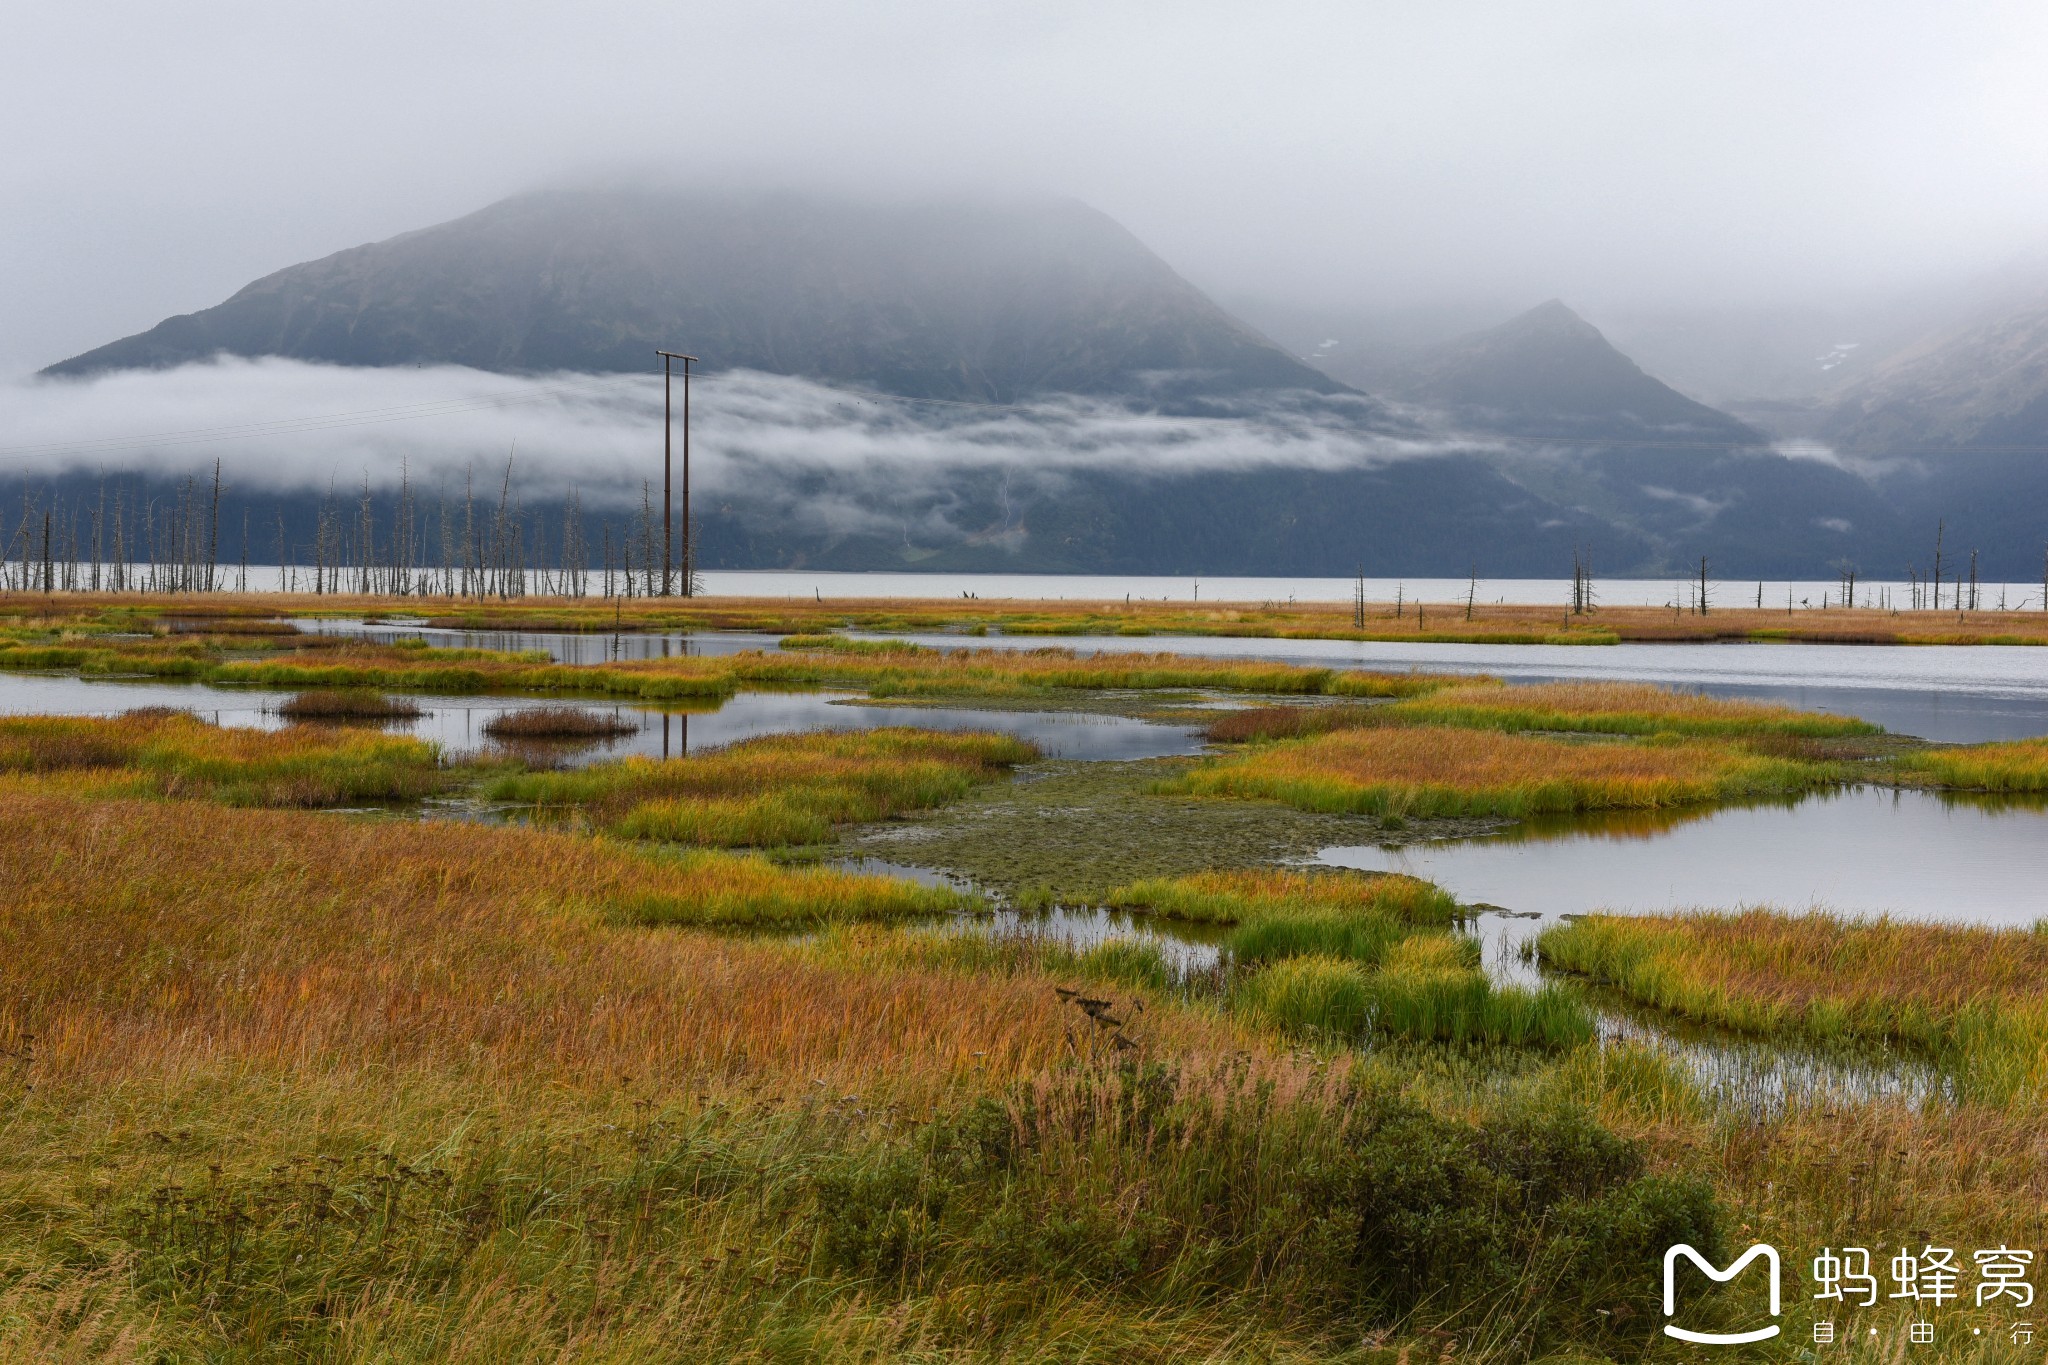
(457, 723)
(1863, 852)
(1954, 694)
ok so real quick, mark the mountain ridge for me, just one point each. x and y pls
(969, 299)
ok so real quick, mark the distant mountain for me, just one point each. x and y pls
(1550, 373)
(1975, 387)
(1955, 429)
(983, 300)
(1582, 425)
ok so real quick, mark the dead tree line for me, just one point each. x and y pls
(493, 546)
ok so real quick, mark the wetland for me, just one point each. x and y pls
(817, 987)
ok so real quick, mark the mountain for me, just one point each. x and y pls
(1550, 373)
(1956, 429)
(979, 300)
(1976, 387)
(1574, 420)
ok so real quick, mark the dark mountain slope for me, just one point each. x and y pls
(1550, 373)
(1957, 425)
(958, 299)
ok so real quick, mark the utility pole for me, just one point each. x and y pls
(668, 359)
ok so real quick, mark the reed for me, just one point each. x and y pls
(1440, 771)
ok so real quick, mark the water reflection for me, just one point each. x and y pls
(1955, 694)
(668, 730)
(565, 647)
(1862, 851)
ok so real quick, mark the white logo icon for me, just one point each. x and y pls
(1770, 1256)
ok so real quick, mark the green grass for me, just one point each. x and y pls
(776, 790)
(2014, 766)
(1975, 997)
(1417, 995)
(1245, 895)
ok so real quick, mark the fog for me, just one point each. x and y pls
(840, 460)
(1622, 154)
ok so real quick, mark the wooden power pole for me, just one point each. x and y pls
(668, 540)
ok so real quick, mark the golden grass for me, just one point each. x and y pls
(1977, 995)
(1615, 708)
(778, 789)
(143, 935)
(1446, 621)
(1233, 897)
(2019, 765)
(888, 671)
(1439, 771)
(174, 753)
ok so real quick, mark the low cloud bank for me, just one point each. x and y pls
(287, 426)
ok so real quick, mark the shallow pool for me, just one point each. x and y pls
(458, 723)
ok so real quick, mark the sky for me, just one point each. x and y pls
(1349, 156)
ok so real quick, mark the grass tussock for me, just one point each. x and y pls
(1440, 771)
(2019, 765)
(1240, 896)
(780, 789)
(340, 704)
(558, 722)
(1426, 989)
(1978, 997)
(1345, 956)
(176, 754)
(1616, 708)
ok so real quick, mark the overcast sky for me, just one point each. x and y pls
(1346, 155)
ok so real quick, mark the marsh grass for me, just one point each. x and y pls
(341, 704)
(885, 669)
(1975, 997)
(558, 722)
(1344, 956)
(2013, 766)
(777, 790)
(344, 1089)
(1429, 771)
(1291, 722)
(1615, 708)
(176, 754)
(1241, 895)
(1421, 992)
